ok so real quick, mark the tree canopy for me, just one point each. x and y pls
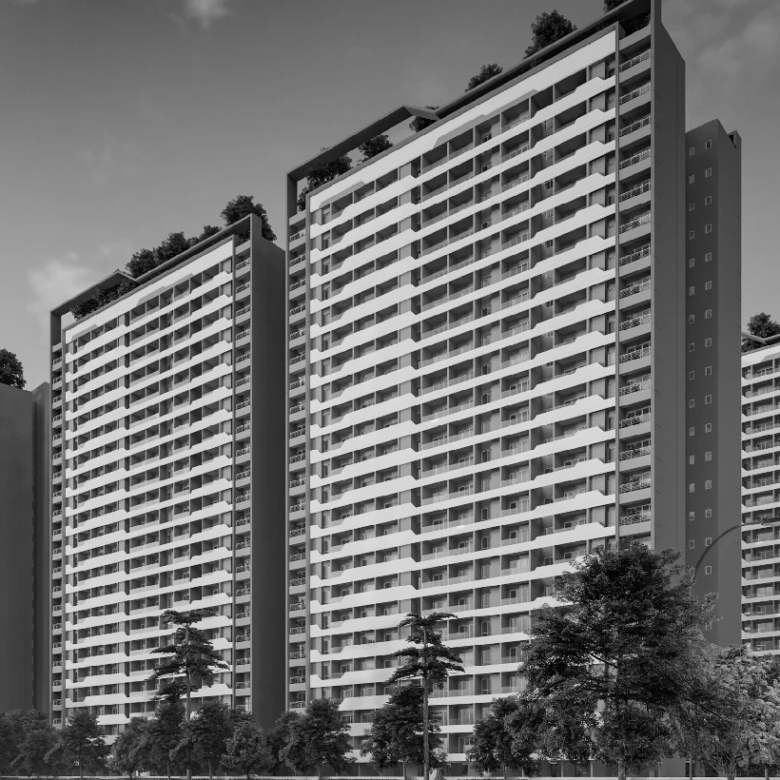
(247, 751)
(320, 174)
(625, 643)
(549, 26)
(485, 72)
(611, 5)
(11, 370)
(761, 325)
(242, 206)
(374, 146)
(419, 123)
(80, 743)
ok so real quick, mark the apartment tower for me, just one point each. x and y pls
(487, 363)
(761, 497)
(161, 436)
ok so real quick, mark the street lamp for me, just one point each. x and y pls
(772, 521)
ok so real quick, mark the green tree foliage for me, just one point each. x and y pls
(429, 661)
(507, 738)
(485, 72)
(80, 744)
(374, 146)
(549, 26)
(280, 736)
(11, 734)
(38, 737)
(242, 206)
(162, 735)
(761, 325)
(247, 752)
(189, 653)
(11, 370)
(127, 752)
(205, 735)
(396, 733)
(733, 723)
(625, 642)
(318, 738)
(141, 262)
(421, 122)
(611, 5)
(320, 174)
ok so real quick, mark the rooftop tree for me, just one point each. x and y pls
(374, 146)
(611, 5)
(11, 370)
(244, 205)
(421, 122)
(624, 642)
(549, 26)
(429, 661)
(485, 72)
(322, 173)
(761, 325)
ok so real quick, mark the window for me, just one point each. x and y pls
(708, 257)
(691, 262)
(708, 228)
(708, 541)
(707, 342)
(691, 403)
(707, 399)
(692, 206)
(691, 544)
(691, 375)
(691, 319)
(691, 151)
(548, 185)
(691, 431)
(708, 143)
(708, 455)
(708, 569)
(691, 460)
(691, 291)
(708, 200)
(548, 153)
(550, 243)
(691, 347)
(708, 428)
(708, 314)
(691, 487)
(708, 484)
(691, 516)
(708, 513)
(691, 235)
(708, 285)
(708, 173)
(692, 178)
(708, 371)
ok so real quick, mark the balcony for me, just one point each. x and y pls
(634, 256)
(635, 484)
(642, 219)
(629, 96)
(634, 126)
(634, 159)
(634, 61)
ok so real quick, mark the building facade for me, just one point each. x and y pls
(761, 499)
(160, 439)
(487, 364)
(23, 457)
(713, 261)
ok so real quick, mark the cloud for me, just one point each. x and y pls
(58, 279)
(206, 12)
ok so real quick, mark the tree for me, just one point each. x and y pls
(189, 653)
(430, 662)
(623, 644)
(162, 735)
(507, 738)
(485, 72)
(279, 736)
(127, 752)
(38, 738)
(11, 370)
(733, 724)
(396, 733)
(247, 751)
(550, 26)
(11, 734)
(318, 738)
(243, 205)
(421, 122)
(374, 146)
(761, 325)
(80, 743)
(205, 735)
(611, 5)
(322, 173)
(141, 262)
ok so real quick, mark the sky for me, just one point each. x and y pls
(124, 120)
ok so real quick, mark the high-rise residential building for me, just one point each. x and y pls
(761, 497)
(713, 282)
(487, 362)
(24, 562)
(167, 487)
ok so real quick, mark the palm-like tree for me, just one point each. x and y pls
(428, 660)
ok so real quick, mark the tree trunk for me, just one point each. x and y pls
(168, 765)
(503, 766)
(211, 771)
(403, 770)
(426, 739)
(766, 772)
(621, 772)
